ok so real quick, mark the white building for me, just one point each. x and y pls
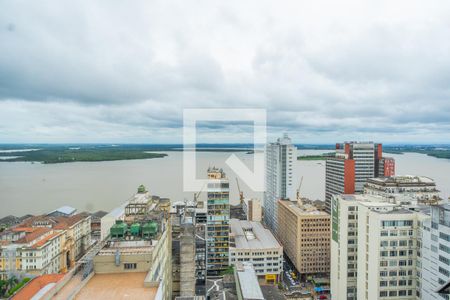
(374, 248)
(251, 242)
(435, 256)
(422, 189)
(280, 157)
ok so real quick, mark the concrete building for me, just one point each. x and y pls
(353, 164)
(435, 254)
(304, 232)
(420, 189)
(44, 245)
(137, 247)
(374, 248)
(280, 157)
(253, 209)
(251, 242)
(217, 226)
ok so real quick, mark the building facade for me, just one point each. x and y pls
(44, 245)
(279, 158)
(217, 224)
(374, 248)
(304, 232)
(353, 164)
(251, 242)
(253, 210)
(435, 260)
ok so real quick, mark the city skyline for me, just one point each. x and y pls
(359, 70)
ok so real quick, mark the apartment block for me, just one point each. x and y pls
(304, 232)
(374, 248)
(280, 157)
(217, 223)
(251, 242)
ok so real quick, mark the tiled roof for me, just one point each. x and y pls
(35, 285)
(37, 232)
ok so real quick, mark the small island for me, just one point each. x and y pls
(52, 155)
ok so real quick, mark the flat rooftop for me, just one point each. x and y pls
(403, 179)
(117, 286)
(128, 247)
(306, 209)
(252, 235)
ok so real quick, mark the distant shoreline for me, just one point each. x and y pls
(66, 153)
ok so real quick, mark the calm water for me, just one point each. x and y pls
(38, 188)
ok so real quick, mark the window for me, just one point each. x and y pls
(129, 266)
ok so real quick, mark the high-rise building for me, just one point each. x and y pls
(304, 232)
(435, 256)
(280, 158)
(353, 164)
(374, 248)
(218, 223)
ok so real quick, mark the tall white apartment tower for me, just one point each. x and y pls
(279, 165)
(374, 248)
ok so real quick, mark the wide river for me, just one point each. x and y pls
(39, 188)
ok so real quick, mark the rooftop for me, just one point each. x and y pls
(128, 247)
(67, 210)
(117, 286)
(37, 287)
(249, 282)
(305, 209)
(252, 235)
(403, 179)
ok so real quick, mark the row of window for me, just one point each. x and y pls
(396, 273)
(400, 293)
(403, 282)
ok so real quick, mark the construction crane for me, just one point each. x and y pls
(196, 195)
(241, 193)
(299, 199)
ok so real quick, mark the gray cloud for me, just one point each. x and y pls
(120, 72)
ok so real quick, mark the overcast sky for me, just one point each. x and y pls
(123, 71)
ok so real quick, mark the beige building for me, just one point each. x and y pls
(253, 210)
(44, 244)
(304, 232)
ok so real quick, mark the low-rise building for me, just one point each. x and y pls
(247, 286)
(44, 244)
(251, 242)
(304, 232)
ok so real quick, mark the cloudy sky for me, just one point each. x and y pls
(123, 71)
